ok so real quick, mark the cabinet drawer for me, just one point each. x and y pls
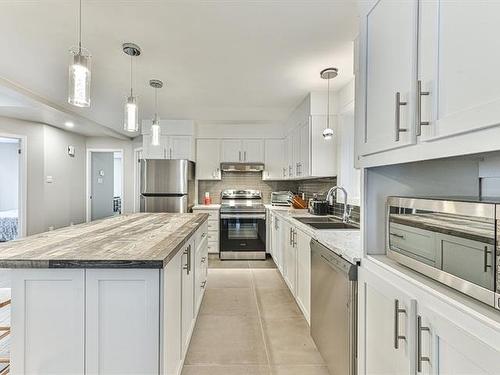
(213, 236)
(213, 246)
(213, 214)
(213, 225)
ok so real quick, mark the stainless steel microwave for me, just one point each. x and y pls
(456, 242)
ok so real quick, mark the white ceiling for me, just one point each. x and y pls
(228, 61)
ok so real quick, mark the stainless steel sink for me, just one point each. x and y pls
(325, 222)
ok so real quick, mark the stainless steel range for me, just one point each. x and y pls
(242, 225)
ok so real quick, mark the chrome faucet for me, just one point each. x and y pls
(346, 216)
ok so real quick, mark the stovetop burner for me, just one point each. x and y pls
(242, 201)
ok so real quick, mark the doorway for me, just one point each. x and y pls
(137, 178)
(104, 183)
(12, 187)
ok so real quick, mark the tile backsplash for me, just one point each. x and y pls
(253, 180)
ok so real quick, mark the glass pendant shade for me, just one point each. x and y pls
(79, 78)
(155, 133)
(131, 123)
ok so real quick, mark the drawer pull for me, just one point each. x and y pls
(203, 283)
(397, 310)
(398, 235)
(203, 260)
(420, 358)
(397, 116)
(486, 253)
(420, 93)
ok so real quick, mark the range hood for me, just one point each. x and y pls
(242, 167)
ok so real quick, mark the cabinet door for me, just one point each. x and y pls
(323, 152)
(208, 159)
(464, 87)
(447, 349)
(253, 150)
(304, 273)
(290, 255)
(290, 168)
(231, 151)
(305, 150)
(389, 60)
(172, 320)
(48, 321)
(180, 147)
(122, 307)
(296, 151)
(274, 159)
(187, 294)
(154, 152)
(277, 243)
(385, 330)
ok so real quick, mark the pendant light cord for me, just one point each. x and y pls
(131, 85)
(156, 103)
(80, 29)
(328, 107)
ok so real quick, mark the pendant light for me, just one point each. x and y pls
(155, 128)
(79, 71)
(131, 110)
(328, 74)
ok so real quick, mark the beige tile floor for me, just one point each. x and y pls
(249, 324)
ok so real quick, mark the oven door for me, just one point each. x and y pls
(244, 233)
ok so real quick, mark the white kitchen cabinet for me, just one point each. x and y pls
(290, 259)
(386, 317)
(169, 147)
(388, 59)
(187, 315)
(305, 149)
(447, 349)
(121, 321)
(464, 88)
(243, 150)
(304, 272)
(48, 311)
(201, 268)
(323, 153)
(274, 159)
(213, 226)
(277, 241)
(172, 316)
(289, 161)
(208, 159)
(253, 150)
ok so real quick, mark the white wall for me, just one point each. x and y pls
(128, 165)
(9, 176)
(64, 198)
(117, 175)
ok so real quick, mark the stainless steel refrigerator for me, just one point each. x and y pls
(167, 185)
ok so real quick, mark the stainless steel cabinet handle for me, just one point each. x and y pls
(239, 155)
(203, 284)
(294, 238)
(397, 116)
(244, 156)
(186, 266)
(420, 358)
(290, 169)
(291, 237)
(397, 310)
(397, 235)
(203, 234)
(203, 260)
(164, 153)
(486, 253)
(420, 93)
(170, 153)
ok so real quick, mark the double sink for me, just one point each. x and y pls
(325, 222)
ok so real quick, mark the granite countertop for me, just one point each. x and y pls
(142, 240)
(345, 243)
(482, 230)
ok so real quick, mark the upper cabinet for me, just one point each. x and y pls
(208, 159)
(427, 82)
(243, 150)
(389, 57)
(458, 66)
(274, 159)
(176, 140)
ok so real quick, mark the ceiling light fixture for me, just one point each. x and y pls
(131, 121)
(69, 124)
(328, 74)
(155, 128)
(79, 71)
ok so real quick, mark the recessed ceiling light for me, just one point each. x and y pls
(69, 124)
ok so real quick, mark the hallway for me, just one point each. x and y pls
(249, 324)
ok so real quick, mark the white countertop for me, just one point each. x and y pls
(346, 243)
(206, 207)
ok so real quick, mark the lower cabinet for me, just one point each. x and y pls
(291, 251)
(187, 296)
(403, 330)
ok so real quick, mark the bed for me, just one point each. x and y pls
(8, 225)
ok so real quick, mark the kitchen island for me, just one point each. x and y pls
(115, 296)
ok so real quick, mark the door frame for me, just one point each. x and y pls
(137, 177)
(23, 182)
(88, 180)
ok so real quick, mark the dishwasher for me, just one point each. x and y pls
(334, 309)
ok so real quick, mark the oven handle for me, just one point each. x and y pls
(243, 216)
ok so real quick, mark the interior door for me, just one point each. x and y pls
(390, 60)
(102, 184)
(459, 60)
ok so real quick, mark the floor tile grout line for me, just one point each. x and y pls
(259, 315)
